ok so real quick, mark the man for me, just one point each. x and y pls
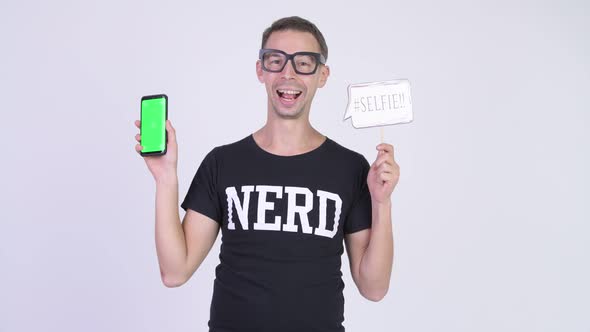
(285, 198)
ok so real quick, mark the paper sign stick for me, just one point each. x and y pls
(379, 103)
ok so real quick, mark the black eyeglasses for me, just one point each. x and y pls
(304, 63)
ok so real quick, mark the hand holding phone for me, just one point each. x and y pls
(157, 138)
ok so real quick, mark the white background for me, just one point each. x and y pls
(491, 212)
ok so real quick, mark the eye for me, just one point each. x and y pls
(305, 61)
(274, 60)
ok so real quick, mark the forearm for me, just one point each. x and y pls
(170, 239)
(376, 264)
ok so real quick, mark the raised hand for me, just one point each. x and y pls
(163, 168)
(383, 175)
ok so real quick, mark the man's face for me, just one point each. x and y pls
(280, 86)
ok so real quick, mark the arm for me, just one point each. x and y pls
(181, 248)
(370, 251)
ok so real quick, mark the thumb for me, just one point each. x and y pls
(171, 131)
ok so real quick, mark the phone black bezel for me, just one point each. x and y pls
(155, 153)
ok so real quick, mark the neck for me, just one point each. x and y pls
(287, 137)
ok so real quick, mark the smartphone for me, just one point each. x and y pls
(154, 113)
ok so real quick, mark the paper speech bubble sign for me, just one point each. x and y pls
(379, 103)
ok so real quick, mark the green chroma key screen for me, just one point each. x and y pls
(153, 124)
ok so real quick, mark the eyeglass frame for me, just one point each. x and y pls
(320, 60)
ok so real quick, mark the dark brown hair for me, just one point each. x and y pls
(298, 24)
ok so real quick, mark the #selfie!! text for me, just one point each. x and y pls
(381, 102)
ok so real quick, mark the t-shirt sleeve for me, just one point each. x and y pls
(202, 193)
(359, 217)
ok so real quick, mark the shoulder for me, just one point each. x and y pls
(237, 149)
(346, 155)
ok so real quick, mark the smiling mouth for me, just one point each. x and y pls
(288, 94)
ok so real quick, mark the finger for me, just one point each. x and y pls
(138, 138)
(391, 163)
(387, 177)
(384, 158)
(385, 148)
(138, 123)
(171, 131)
(138, 148)
(385, 168)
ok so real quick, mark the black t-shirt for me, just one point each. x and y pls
(283, 220)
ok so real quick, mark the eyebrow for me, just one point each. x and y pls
(272, 51)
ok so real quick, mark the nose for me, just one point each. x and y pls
(289, 71)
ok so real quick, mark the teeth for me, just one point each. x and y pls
(290, 92)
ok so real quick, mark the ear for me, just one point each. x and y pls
(259, 71)
(324, 74)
